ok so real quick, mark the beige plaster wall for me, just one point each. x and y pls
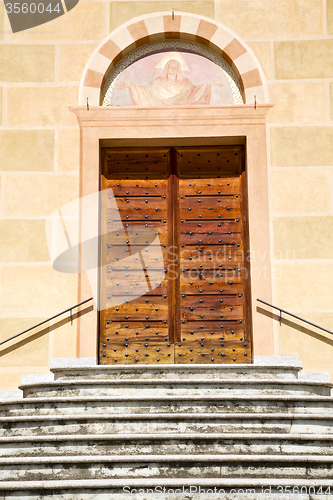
(40, 69)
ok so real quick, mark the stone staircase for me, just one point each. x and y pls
(263, 430)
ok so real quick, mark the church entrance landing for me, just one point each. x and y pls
(174, 280)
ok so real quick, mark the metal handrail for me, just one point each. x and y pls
(294, 316)
(47, 320)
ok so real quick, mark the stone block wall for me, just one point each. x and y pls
(40, 69)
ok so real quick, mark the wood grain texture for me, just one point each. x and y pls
(212, 352)
(136, 286)
(137, 353)
(139, 187)
(215, 186)
(176, 276)
(212, 331)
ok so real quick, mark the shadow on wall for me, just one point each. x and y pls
(44, 331)
(296, 326)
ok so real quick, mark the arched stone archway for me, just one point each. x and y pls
(207, 125)
(164, 25)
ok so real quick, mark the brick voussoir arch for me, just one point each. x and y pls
(164, 25)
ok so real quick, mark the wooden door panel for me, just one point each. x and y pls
(206, 214)
(191, 259)
(212, 331)
(136, 291)
(207, 327)
(175, 282)
(195, 169)
(132, 315)
(137, 353)
(129, 204)
(148, 253)
(200, 156)
(123, 287)
(140, 173)
(119, 275)
(213, 274)
(142, 187)
(207, 172)
(144, 176)
(123, 164)
(140, 331)
(143, 302)
(208, 301)
(206, 251)
(208, 202)
(124, 168)
(221, 276)
(210, 239)
(216, 288)
(137, 235)
(135, 263)
(212, 352)
(225, 313)
(120, 258)
(208, 208)
(138, 209)
(212, 227)
(155, 309)
(215, 186)
(190, 174)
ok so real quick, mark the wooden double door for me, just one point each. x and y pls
(174, 280)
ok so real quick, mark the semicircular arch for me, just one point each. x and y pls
(183, 26)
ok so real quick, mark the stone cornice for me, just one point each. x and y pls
(165, 119)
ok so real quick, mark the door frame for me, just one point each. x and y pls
(183, 126)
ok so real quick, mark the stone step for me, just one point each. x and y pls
(177, 372)
(226, 403)
(170, 489)
(166, 444)
(168, 422)
(143, 387)
(167, 466)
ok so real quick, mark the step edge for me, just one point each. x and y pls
(145, 382)
(92, 362)
(166, 458)
(121, 483)
(175, 397)
(168, 416)
(176, 367)
(169, 436)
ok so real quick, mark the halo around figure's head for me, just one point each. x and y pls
(175, 56)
